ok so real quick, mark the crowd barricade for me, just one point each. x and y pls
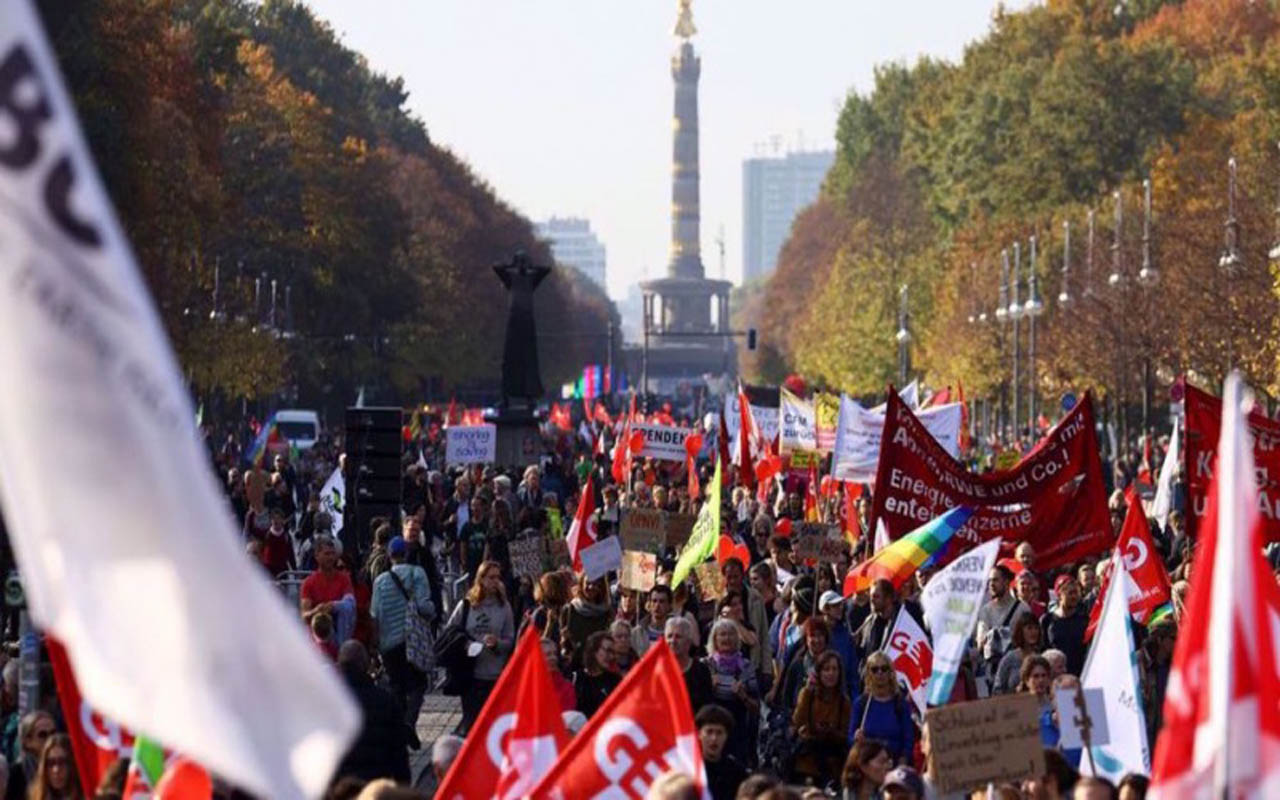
(290, 584)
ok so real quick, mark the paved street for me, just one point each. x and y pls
(440, 715)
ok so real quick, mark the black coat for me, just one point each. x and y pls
(382, 748)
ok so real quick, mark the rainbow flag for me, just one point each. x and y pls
(257, 455)
(899, 560)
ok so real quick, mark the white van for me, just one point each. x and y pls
(300, 426)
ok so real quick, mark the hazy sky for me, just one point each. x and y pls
(564, 106)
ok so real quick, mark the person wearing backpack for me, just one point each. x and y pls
(484, 616)
(881, 713)
(995, 618)
(399, 592)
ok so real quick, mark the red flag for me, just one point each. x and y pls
(852, 525)
(811, 495)
(1144, 471)
(518, 734)
(1142, 563)
(95, 741)
(449, 415)
(601, 414)
(722, 439)
(692, 446)
(963, 441)
(749, 441)
(643, 730)
(1221, 735)
(939, 398)
(582, 531)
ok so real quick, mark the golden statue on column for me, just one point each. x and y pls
(684, 25)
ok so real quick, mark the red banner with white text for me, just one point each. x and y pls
(1204, 420)
(1053, 498)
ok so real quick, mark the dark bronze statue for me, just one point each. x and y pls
(521, 379)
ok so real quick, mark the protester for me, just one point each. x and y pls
(56, 777)
(697, 678)
(724, 772)
(563, 688)
(381, 750)
(652, 628)
(735, 686)
(1034, 679)
(586, 614)
(864, 770)
(1065, 626)
(821, 721)
(1026, 642)
(881, 713)
(598, 677)
(398, 593)
(33, 732)
(491, 630)
(329, 590)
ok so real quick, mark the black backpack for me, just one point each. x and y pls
(451, 652)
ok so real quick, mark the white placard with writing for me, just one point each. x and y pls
(601, 558)
(662, 442)
(470, 444)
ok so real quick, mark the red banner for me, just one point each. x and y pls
(1204, 420)
(96, 741)
(1054, 498)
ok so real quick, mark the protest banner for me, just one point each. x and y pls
(639, 571)
(826, 413)
(764, 409)
(1204, 423)
(1053, 499)
(811, 541)
(859, 431)
(798, 429)
(526, 557)
(601, 558)
(710, 581)
(996, 740)
(951, 601)
(643, 529)
(662, 442)
(470, 444)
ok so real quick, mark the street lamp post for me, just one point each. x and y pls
(1064, 297)
(1149, 277)
(1231, 262)
(1034, 307)
(1015, 313)
(1002, 315)
(903, 337)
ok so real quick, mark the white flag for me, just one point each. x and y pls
(951, 601)
(169, 627)
(1163, 502)
(333, 498)
(909, 650)
(1112, 667)
(858, 434)
(798, 425)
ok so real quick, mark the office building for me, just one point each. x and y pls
(774, 191)
(575, 245)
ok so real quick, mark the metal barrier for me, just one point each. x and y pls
(290, 583)
(455, 586)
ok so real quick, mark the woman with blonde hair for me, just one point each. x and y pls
(56, 777)
(881, 713)
(486, 616)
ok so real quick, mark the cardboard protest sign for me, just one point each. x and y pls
(1204, 421)
(662, 442)
(526, 557)
(643, 529)
(639, 571)
(710, 581)
(678, 528)
(601, 558)
(996, 740)
(470, 444)
(814, 542)
(1053, 499)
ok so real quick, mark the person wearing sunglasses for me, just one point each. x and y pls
(56, 778)
(34, 729)
(881, 713)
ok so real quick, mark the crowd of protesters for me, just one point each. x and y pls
(786, 677)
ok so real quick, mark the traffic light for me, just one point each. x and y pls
(751, 338)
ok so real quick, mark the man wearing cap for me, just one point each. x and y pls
(903, 783)
(1065, 625)
(400, 591)
(841, 641)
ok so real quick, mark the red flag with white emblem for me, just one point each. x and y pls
(644, 729)
(582, 532)
(911, 654)
(517, 736)
(1221, 735)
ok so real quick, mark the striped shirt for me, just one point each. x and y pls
(389, 607)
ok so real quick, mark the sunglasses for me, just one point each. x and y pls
(878, 670)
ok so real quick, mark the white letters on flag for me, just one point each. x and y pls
(799, 427)
(333, 499)
(1112, 668)
(912, 656)
(858, 433)
(169, 628)
(951, 601)
(1163, 501)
